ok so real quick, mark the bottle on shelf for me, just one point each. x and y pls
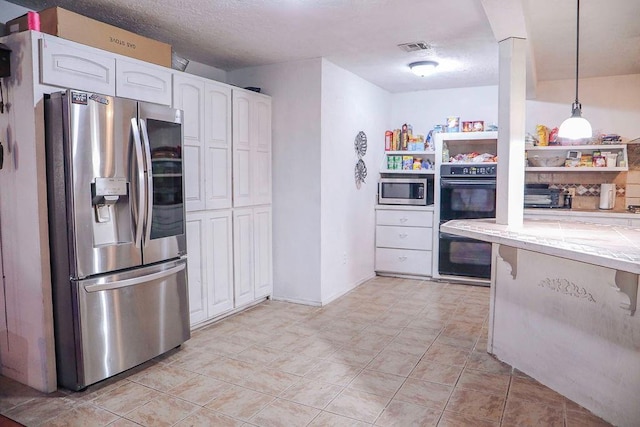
(445, 153)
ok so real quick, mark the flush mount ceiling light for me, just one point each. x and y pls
(576, 126)
(423, 68)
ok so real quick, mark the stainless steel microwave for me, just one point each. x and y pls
(405, 191)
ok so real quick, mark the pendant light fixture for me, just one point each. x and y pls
(576, 126)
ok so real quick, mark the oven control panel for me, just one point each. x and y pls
(468, 170)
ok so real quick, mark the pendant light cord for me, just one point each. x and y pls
(577, 47)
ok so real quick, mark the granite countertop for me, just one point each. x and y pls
(611, 246)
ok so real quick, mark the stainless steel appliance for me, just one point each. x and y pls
(466, 192)
(117, 233)
(405, 191)
(541, 196)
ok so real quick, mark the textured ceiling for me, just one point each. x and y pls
(362, 35)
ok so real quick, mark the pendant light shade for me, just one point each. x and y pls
(576, 126)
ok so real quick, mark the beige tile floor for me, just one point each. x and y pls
(392, 352)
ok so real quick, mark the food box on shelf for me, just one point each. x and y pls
(78, 28)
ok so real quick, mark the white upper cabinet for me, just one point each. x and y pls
(142, 81)
(71, 65)
(261, 149)
(188, 95)
(242, 177)
(251, 149)
(217, 110)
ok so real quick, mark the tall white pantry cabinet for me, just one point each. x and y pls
(227, 151)
(42, 64)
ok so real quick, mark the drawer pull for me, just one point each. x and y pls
(404, 219)
(402, 258)
(403, 235)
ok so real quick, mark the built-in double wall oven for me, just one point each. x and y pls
(466, 192)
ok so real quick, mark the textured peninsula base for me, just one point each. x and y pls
(571, 326)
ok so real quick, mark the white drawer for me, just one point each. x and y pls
(404, 261)
(404, 237)
(404, 218)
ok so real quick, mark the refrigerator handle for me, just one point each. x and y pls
(142, 197)
(135, 281)
(147, 145)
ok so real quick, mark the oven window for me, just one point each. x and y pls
(470, 253)
(473, 199)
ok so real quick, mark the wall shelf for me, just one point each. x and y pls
(563, 150)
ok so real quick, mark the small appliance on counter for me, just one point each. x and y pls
(541, 196)
(607, 196)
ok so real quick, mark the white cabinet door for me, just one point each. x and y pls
(188, 95)
(69, 65)
(142, 81)
(262, 243)
(261, 149)
(217, 111)
(251, 149)
(242, 176)
(243, 256)
(196, 267)
(219, 263)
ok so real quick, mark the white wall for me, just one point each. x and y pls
(9, 11)
(295, 91)
(611, 104)
(349, 105)
(427, 108)
(206, 71)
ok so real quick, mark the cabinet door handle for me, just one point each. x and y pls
(402, 235)
(402, 258)
(404, 219)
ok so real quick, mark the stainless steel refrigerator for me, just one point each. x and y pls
(117, 233)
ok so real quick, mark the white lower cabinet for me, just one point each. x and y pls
(404, 241)
(262, 244)
(209, 264)
(229, 260)
(252, 250)
(243, 255)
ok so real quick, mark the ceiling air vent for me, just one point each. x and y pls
(414, 46)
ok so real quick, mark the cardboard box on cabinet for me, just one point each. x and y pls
(75, 27)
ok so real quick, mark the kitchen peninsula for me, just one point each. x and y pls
(563, 308)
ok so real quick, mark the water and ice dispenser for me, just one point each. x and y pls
(110, 200)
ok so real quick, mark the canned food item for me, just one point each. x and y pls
(391, 162)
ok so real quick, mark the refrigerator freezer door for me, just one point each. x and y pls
(102, 182)
(164, 236)
(127, 319)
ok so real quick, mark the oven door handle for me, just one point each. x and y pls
(450, 183)
(454, 237)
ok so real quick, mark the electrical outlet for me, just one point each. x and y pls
(572, 192)
(344, 258)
